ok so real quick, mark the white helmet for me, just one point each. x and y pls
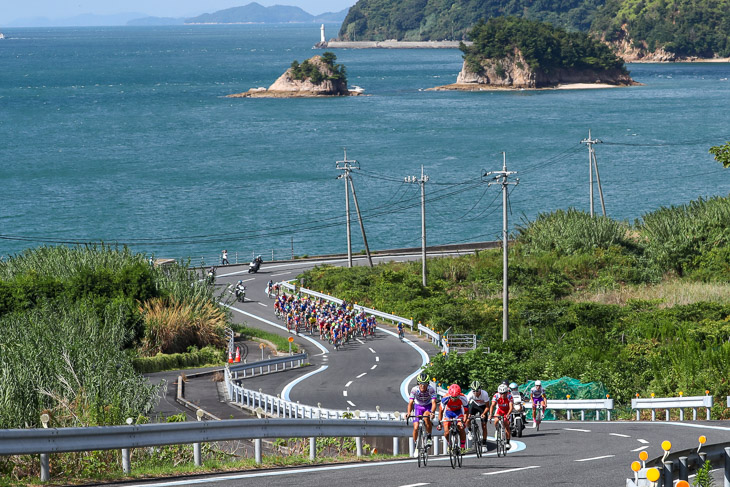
(538, 383)
(502, 388)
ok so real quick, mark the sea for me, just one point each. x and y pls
(124, 135)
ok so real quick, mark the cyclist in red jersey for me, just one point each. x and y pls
(453, 406)
(502, 401)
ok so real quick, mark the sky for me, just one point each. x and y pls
(13, 10)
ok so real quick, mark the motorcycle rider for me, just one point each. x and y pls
(211, 275)
(240, 291)
(519, 408)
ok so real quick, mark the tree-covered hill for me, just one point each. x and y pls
(682, 27)
(543, 46)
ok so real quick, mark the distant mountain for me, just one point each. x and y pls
(145, 21)
(84, 20)
(257, 13)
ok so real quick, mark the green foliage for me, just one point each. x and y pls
(194, 358)
(310, 71)
(543, 46)
(722, 154)
(281, 342)
(704, 476)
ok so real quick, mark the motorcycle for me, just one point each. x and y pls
(240, 293)
(210, 276)
(255, 265)
(517, 418)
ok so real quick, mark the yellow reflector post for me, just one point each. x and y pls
(635, 466)
(703, 439)
(682, 483)
(652, 475)
(643, 456)
(666, 445)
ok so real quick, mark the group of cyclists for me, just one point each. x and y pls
(337, 323)
(458, 409)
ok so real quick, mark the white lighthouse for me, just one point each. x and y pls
(321, 33)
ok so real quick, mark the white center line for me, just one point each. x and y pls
(595, 458)
(262, 304)
(414, 485)
(377, 359)
(373, 367)
(364, 373)
(619, 434)
(641, 448)
(344, 393)
(351, 403)
(642, 441)
(576, 429)
(371, 350)
(360, 341)
(511, 470)
(348, 384)
(281, 274)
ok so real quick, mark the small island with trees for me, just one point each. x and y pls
(515, 53)
(316, 77)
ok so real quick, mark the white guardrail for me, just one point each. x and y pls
(668, 403)
(243, 368)
(582, 405)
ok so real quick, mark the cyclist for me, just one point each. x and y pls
(478, 400)
(422, 403)
(401, 333)
(502, 401)
(453, 407)
(538, 397)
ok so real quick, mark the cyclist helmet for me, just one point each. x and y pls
(505, 382)
(454, 390)
(475, 385)
(502, 389)
(513, 386)
(538, 383)
(422, 379)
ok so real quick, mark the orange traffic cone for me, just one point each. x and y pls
(238, 355)
(230, 357)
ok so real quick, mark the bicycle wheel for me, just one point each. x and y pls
(424, 452)
(538, 418)
(478, 439)
(500, 440)
(419, 446)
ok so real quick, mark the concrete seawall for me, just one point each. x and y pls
(390, 44)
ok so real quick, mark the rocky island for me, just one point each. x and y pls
(318, 76)
(515, 53)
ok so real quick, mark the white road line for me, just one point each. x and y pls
(246, 280)
(360, 341)
(373, 367)
(281, 274)
(377, 359)
(364, 373)
(287, 389)
(595, 458)
(348, 384)
(262, 304)
(372, 350)
(619, 434)
(344, 393)
(576, 429)
(642, 441)
(511, 470)
(351, 403)
(641, 448)
(414, 485)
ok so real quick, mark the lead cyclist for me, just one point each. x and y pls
(538, 397)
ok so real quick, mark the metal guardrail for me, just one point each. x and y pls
(668, 403)
(275, 406)
(728, 401)
(582, 405)
(276, 362)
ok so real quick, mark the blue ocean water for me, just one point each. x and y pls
(125, 135)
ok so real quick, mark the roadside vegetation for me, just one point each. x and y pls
(640, 307)
(310, 71)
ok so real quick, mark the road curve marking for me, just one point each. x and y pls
(344, 393)
(415, 485)
(371, 349)
(576, 429)
(377, 359)
(642, 441)
(641, 448)
(619, 434)
(595, 458)
(262, 304)
(281, 274)
(348, 384)
(404, 392)
(351, 403)
(287, 388)
(511, 470)
(373, 367)
(363, 374)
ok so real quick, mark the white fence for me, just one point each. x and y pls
(582, 405)
(668, 403)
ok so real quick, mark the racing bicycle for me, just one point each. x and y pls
(538, 416)
(453, 442)
(501, 437)
(421, 439)
(475, 428)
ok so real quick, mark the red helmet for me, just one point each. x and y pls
(454, 390)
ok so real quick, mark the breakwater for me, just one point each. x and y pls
(392, 44)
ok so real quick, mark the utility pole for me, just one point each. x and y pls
(593, 164)
(501, 178)
(348, 165)
(422, 182)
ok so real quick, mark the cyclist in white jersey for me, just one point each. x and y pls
(478, 400)
(422, 403)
